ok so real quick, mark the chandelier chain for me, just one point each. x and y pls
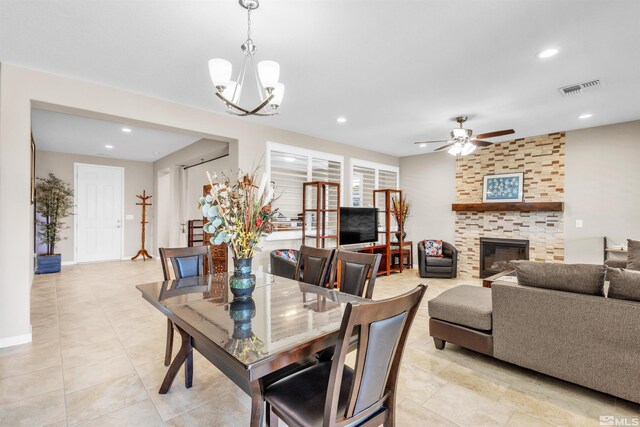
(249, 24)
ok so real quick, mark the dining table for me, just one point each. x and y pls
(252, 340)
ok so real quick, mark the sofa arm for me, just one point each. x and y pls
(450, 251)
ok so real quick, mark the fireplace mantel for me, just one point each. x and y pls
(509, 207)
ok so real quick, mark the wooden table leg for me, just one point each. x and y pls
(257, 403)
(185, 354)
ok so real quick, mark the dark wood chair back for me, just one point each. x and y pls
(352, 270)
(186, 262)
(384, 328)
(314, 265)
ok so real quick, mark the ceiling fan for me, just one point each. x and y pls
(462, 143)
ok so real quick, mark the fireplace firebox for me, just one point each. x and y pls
(495, 254)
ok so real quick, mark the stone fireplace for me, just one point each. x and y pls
(541, 159)
(495, 254)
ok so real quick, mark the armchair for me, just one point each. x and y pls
(282, 264)
(445, 266)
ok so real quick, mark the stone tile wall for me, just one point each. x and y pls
(541, 159)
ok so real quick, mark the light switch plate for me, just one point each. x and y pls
(578, 223)
(129, 217)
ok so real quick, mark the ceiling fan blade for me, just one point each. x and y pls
(429, 142)
(496, 133)
(480, 143)
(444, 147)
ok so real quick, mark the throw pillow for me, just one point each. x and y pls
(633, 255)
(624, 284)
(290, 255)
(433, 248)
(578, 278)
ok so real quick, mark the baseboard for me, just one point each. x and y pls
(16, 340)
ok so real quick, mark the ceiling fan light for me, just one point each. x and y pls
(269, 72)
(455, 149)
(220, 72)
(467, 149)
(459, 133)
(278, 94)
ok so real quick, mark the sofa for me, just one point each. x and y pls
(445, 266)
(555, 320)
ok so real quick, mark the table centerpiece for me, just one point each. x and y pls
(239, 213)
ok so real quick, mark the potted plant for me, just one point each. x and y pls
(400, 209)
(54, 202)
(239, 212)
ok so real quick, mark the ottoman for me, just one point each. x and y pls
(462, 316)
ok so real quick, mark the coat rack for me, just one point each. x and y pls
(143, 202)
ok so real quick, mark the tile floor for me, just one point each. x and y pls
(97, 352)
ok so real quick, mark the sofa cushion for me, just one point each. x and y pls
(433, 261)
(578, 278)
(633, 256)
(623, 284)
(464, 305)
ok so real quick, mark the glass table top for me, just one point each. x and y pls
(280, 315)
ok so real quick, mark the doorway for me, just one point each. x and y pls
(98, 219)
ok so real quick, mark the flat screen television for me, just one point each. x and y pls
(358, 225)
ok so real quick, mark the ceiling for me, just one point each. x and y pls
(66, 133)
(399, 71)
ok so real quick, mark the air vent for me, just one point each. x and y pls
(579, 88)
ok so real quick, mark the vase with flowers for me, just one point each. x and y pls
(400, 209)
(239, 212)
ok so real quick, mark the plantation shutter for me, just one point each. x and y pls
(363, 186)
(288, 172)
(387, 180)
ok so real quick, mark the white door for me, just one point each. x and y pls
(99, 213)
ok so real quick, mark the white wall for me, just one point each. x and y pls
(22, 89)
(138, 176)
(196, 179)
(602, 188)
(429, 183)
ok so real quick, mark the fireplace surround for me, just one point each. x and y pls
(495, 254)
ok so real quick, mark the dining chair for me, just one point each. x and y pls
(333, 394)
(185, 262)
(314, 265)
(352, 270)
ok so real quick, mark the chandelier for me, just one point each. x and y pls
(267, 73)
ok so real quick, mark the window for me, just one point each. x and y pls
(368, 176)
(288, 168)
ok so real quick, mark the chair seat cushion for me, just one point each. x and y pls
(464, 305)
(302, 396)
(433, 261)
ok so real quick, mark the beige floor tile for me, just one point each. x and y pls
(520, 419)
(39, 410)
(103, 398)
(14, 389)
(141, 414)
(86, 375)
(224, 411)
(27, 358)
(410, 413)
(418, 385)
(466, 407)
(89, 353)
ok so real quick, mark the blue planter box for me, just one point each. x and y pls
(49, 264)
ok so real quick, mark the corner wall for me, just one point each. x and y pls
(602, 189)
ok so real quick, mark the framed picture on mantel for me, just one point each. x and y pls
(505, 187)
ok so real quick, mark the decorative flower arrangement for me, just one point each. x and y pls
(239, 212)
(400, 209)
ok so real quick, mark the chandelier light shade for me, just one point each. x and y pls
(266, 74)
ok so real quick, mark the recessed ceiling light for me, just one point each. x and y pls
(341, 120)
(422, 145)
(547, 53)
(585, 116)
(126, 130)
(108, 146)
